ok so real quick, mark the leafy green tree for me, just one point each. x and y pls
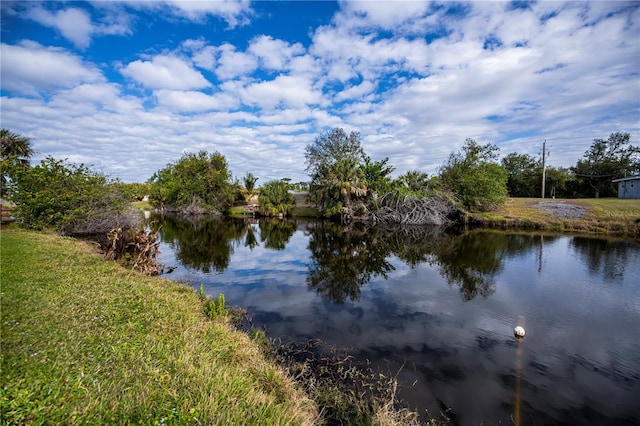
(334, 162)
(477, 181)
(14, 155)
(69, 198)
(524, 175)
(133, 191)
(199, 181)
(332, 146)
(606, 160)
(557, 178)
(275, 198)
(378, 176)
(346, 183)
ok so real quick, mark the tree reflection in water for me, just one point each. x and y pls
(606, 257)
(344, 258)
(276, 233)
(250, 239)
(202, 243)
(471, 263)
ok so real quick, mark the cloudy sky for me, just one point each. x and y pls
(127, 87)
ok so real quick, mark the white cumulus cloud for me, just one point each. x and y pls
(24, 65)
(165, 72)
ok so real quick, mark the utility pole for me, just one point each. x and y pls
(544, 152)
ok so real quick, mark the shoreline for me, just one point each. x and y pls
(126, 347)
(596, 217)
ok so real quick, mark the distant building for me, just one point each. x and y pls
(628, 187)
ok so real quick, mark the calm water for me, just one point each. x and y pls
(440, 309)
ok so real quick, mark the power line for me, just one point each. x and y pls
(544, 150)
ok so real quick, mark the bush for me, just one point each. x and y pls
(479, 183)
(197, 183)
(69, 198)
(275, 198)
(133, 191)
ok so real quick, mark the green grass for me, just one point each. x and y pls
(603, 216)
(85, 341)
(142, 205)
(306, 212)
(238, 211)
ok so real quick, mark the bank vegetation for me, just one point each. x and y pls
(602, 216)
(85, 341)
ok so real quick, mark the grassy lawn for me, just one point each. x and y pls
(86, 341)
(602, 215)
(239, 211)
(142, 205)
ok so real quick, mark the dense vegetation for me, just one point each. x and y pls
(275, 198)
(592, 176)
(196, 183)
(477, 180)
(606, 160)
(345, 183)
(70, 198)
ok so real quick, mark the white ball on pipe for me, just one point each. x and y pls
(519, 332)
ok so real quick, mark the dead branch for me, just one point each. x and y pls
(407, 209)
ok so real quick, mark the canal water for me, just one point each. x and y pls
(439, 309)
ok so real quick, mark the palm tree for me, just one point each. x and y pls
(16, 151)
(15, 145)
(249, 182)
(347, 177)
(414, 180)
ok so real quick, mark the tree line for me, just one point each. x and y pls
(344, 182)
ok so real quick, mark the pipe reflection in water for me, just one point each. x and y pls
(517, 416)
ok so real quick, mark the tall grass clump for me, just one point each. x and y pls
(213, 308)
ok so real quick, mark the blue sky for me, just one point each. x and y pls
(127, 87)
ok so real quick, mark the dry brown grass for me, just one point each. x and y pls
(602, 216)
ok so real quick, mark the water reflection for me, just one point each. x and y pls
(201, 243)
(440, 310)
(276, 233)
(344, 259)
(603, 257)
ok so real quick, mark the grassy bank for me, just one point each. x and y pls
(602, 216)
(86, 341)
(304, 211)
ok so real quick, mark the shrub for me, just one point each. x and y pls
(196, 183)
(69, 198)
(479, 183)
(275, 198)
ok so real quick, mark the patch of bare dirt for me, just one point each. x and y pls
(562, 210)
